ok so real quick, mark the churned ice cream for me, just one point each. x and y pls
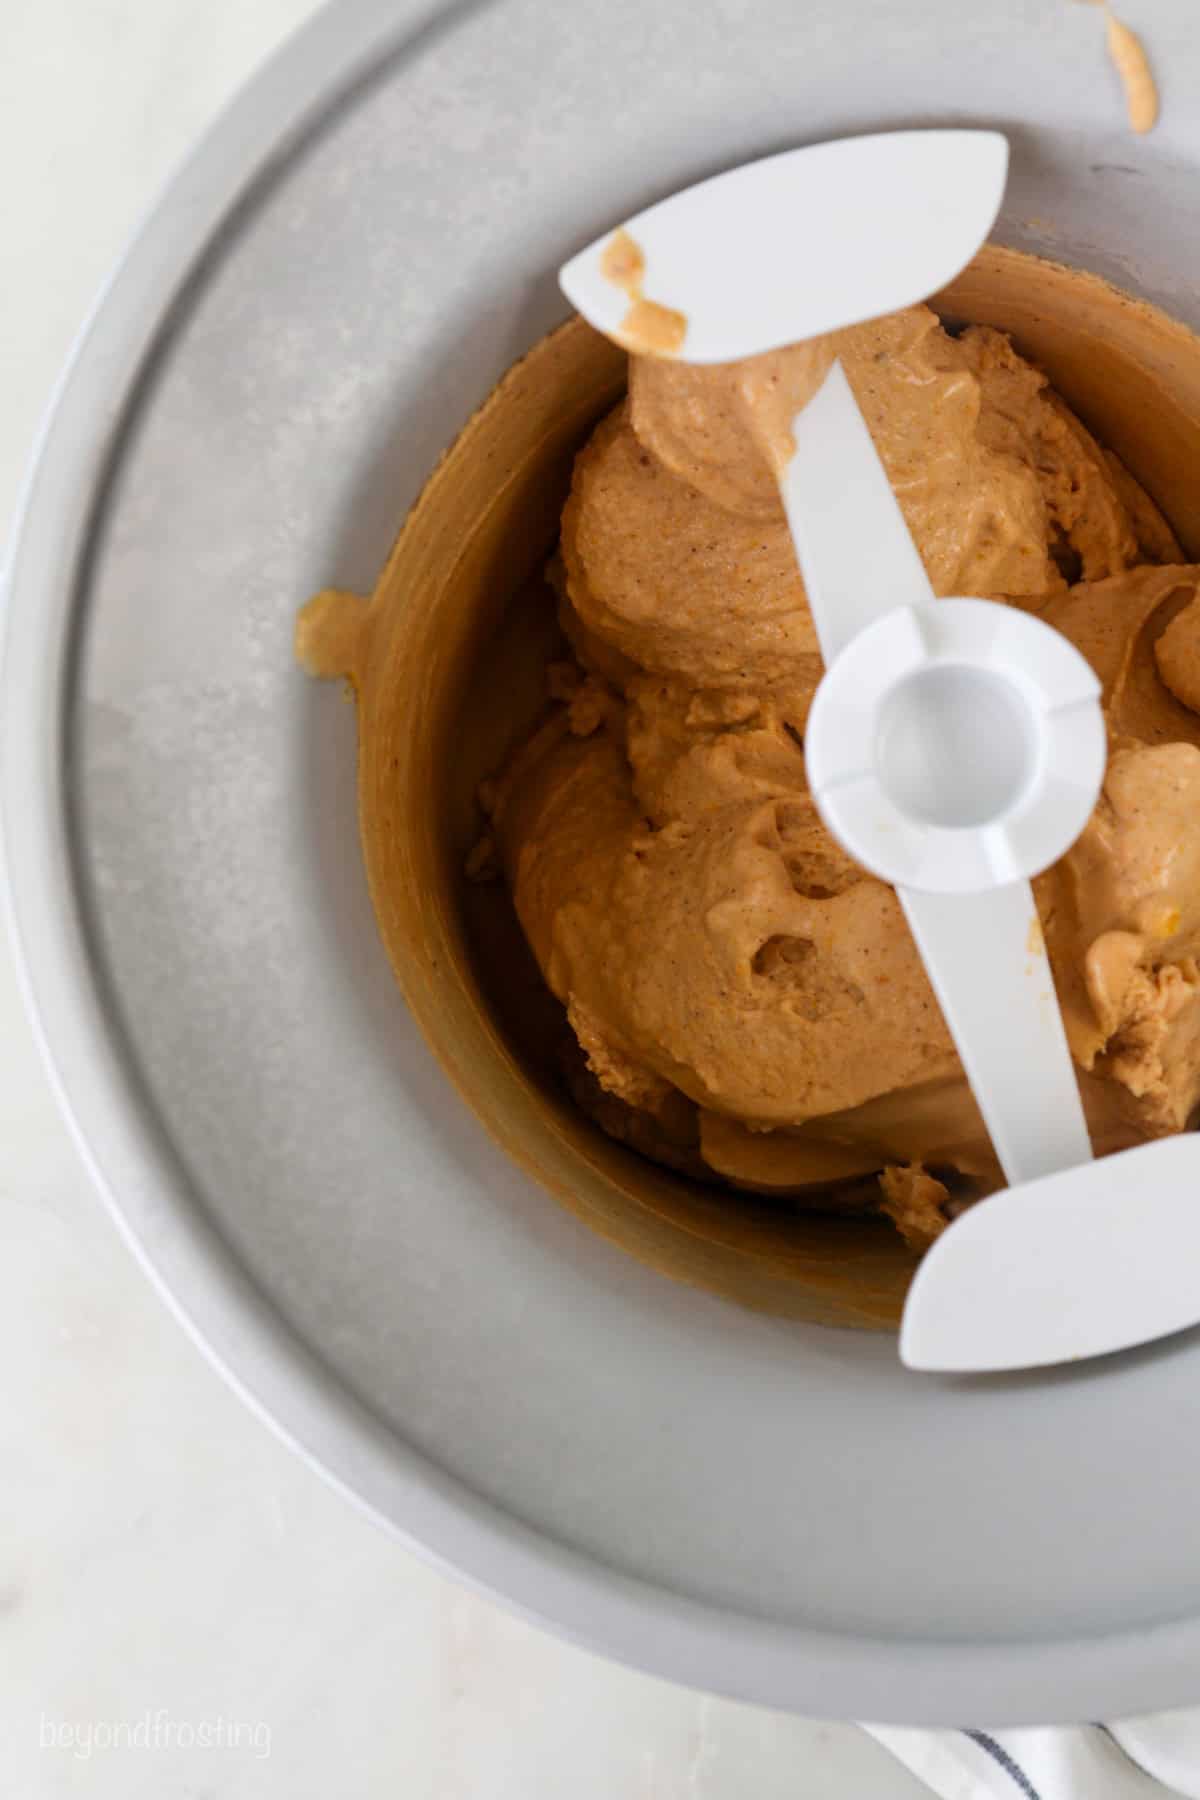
(748, 1003)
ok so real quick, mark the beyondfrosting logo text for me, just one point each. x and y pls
(154, 1731)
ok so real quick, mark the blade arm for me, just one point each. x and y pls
(854, 548)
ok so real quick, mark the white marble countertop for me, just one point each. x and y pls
(169, 1572)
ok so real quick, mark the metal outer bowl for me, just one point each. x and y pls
(354, 255)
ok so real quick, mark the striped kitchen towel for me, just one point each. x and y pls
(1141, 1759)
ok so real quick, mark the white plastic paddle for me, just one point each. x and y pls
(955, 747)
(805, 242)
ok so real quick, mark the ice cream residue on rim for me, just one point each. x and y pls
(647, 328)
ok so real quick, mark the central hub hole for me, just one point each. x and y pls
(955, 746)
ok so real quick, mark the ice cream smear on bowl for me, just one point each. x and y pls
(746, 1001)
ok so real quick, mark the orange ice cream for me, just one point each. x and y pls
(748, 1002)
